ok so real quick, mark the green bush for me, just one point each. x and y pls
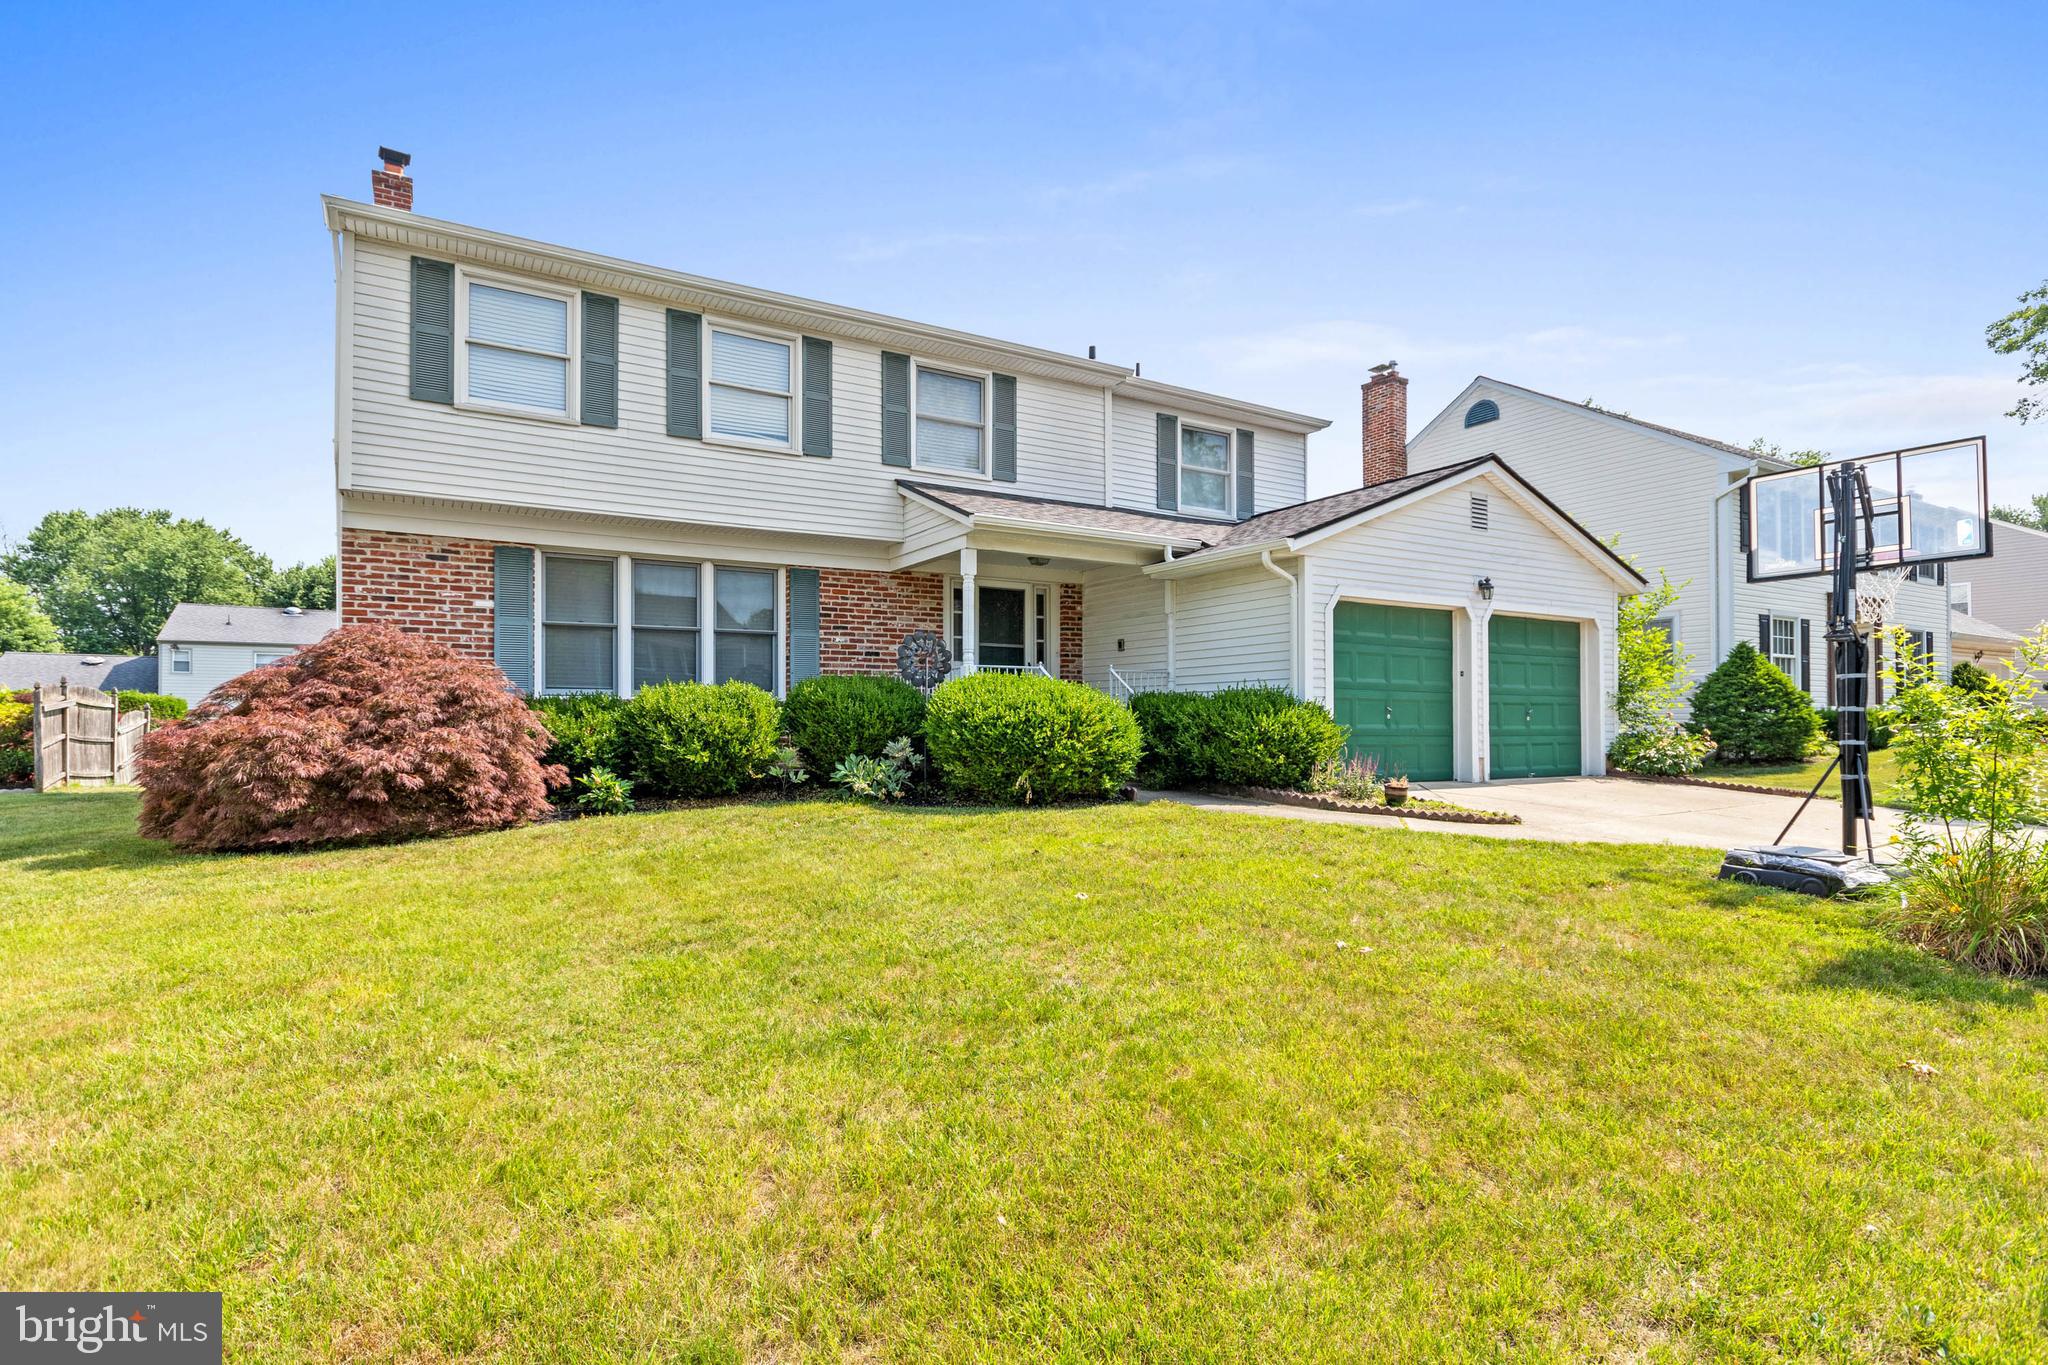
(1754, 713)
(832, 719)
(604, 792)
(585, 730)
(1966, 678)
(160, 706)
(1241, 736)
(1660, 748)
(696, 739)
(1006, 737)
(17, 744)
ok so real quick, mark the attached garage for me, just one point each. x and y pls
(1394, 685)
(1535, 697)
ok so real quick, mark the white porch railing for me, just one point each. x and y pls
(1123, 686)
(961, 671)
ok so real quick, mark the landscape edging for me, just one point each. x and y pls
(1324, 802)
(1677, 780)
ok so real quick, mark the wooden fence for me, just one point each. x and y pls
(81, 735)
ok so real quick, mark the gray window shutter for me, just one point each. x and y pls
(600, 379)
(895, 409)
(512, 614)
(1805, 655)
(433, 330)
(685, 374)
(1003, 441)
(1166, 462)
(817, 398)
(1763, 634)
(803, 624)
(1247, 493)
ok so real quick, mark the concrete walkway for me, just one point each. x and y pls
(1591, 809)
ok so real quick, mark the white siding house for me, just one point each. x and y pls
(2010, 588)
(201, 646)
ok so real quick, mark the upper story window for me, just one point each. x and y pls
(750, 380)
(515, 348)
(181, 659)
(1204, 470)
(1485, 410)
(1959, 598)
(952, 421)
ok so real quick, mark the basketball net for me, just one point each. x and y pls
(1876, 590)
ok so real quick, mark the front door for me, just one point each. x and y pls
(999, 632)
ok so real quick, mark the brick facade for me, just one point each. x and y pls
(863, 616)
(1070, 631)
(436, 587)
(1383, 426)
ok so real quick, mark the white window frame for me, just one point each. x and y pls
(709, 344)
(629, 566)
(1959, 598)
(986, 378)
(1790, 670)
(708, 613)
(621, 686)
(1033, 592)
(181, 659)
(263, 657)
(464, 277)
(1181, 466)
(622, 617)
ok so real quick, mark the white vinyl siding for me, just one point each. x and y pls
(208, 666)
(1279, 460)
(2010, 588)
(1125, 618)
(1230, 627)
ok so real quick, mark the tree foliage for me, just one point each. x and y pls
(22, 623)
(1770, 451)
(1652, 671)
(1754, 713)
(2024, 332)
(370, 734)
(2034, 514)
(302, 585)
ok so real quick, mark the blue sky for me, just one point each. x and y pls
(1781, 221)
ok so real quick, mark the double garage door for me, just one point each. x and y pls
(1395, 685)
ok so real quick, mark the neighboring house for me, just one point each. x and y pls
(600, 474)
(1669, 500)
(201, 645)
(1977, 641)
(21, 670)
(2010, 588)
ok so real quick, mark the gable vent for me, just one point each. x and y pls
(1480, 512)
(1485, 410)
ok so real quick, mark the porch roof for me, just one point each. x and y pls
(1016, 510)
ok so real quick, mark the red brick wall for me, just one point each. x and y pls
(433, 587)
(864, 615)
(1383, 410)
(1070, 631)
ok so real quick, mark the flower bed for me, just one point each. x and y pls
(1437, 810)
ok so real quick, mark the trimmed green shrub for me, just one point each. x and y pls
(1241, 736)
(697, 739)
(604, 792)
(1005, 737)
(161, 707)
(1966, 678)
(1753, 711)
(834, 718)
(586, 731)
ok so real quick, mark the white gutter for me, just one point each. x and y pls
(1294, 683)
(1214, 559)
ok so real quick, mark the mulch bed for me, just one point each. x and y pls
(1452, 815)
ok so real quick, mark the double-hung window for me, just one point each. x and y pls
(665, 647)
(1785, 644)
(515, 349)
(181, 659)
(952, 421)
(750, 382)
(1204, 470)
(269, 656)
(744, 633)
(1667, 627)
(579, 621)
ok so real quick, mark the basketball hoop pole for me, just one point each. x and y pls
(1849, 486)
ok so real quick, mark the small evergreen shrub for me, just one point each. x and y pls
(1754, 713)
(585, 729)
(1240, 736)
(371, 734)
(1016, 738)
(834, 718)
(603, 792)
(17, 743)
(699, 739)
(1966, 678)
(161, 707)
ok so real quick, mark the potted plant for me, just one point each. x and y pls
(1397, 788)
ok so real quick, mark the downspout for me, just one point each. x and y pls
(1168, 585)
(1293, 620)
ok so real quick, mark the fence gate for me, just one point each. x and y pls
(80, 735)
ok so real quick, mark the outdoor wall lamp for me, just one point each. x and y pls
(1486, 589)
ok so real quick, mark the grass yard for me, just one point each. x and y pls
(822, 1081)
(1884, 775)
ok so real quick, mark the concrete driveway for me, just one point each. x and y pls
(1593, 809)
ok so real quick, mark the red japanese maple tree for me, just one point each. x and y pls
(371, 734)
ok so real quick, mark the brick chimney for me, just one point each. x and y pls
(391, 187)
(1383, 424)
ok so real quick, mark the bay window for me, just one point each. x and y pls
(951, 421)
(515, 347)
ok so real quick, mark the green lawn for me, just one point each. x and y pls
(820, 1081)
(1884, 775)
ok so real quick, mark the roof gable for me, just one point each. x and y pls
(1685, 440)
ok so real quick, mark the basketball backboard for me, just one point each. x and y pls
(1927, 505)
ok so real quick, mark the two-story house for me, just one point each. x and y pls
(1667, 500)
(601, 474)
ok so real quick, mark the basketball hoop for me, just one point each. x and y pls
(1876, 591)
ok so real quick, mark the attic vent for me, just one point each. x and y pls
(1485, 410)
(1479, 513)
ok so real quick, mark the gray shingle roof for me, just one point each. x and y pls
(20, 670)
(1962, 623)
(1080, 516)
(200, 623)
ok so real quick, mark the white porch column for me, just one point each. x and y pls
(707, 643)
(622, 627)
(969, 562)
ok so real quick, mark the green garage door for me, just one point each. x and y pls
(1534, 668)
(1393, 686)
